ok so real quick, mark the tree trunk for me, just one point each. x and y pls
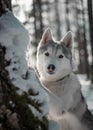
(5, 4)
(57, 19)
(80, 40)
(67, 14)
(78, 36)
(15, 113)
(85, 41)
(34, 15)
(90, 16)
(38, 21)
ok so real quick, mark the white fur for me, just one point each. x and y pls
(69, 93)
(65, 121)
(64, 94)
(69, 122)
(62, 66)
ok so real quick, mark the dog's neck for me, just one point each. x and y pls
(53, 84)
(62, 78)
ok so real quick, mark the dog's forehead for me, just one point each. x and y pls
(54, 45)
(50, 45)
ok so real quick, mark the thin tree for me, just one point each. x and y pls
(90, 17)
(78, 35)
(38, 20)
(67, 14)
(34, 15)
(84, 40)
(57, 19)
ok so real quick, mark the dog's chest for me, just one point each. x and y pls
(65, 93)
(65, 90)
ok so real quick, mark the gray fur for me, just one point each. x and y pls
(65, 92)
(55, 46)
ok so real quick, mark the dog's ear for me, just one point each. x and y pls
(68, 39)
(47, 36)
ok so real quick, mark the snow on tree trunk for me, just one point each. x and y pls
(23, 101)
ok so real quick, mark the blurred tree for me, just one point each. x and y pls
(57, 19)
(67, 14)
(78, 36)
(5, 4)
(34, 15)
(81, 37)
(90, 16)
(84, 40)
(38, 21)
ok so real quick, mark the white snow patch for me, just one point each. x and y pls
(34, 111)
(87, 90)
(54, 125)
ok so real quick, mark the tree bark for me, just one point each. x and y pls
(15, 113)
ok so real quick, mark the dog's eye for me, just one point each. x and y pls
(46, 54)
(60, 56)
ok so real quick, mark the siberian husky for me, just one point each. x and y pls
(54, 64)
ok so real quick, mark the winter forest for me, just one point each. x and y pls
(61, 16)
(23, 101)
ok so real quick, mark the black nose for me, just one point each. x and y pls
(51, 67)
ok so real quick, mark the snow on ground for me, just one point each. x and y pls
(87, 90)
(15, 38)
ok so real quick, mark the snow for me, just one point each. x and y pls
(53, 125)
(87, 90)
(15, 38)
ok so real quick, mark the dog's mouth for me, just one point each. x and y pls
(50, 72)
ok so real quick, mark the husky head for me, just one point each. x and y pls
(54, 58)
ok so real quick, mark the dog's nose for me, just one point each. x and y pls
(51, 67)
